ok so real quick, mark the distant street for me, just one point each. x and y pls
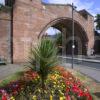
(90, 69)
(85, 64)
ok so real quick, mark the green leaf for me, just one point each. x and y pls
(43, 57)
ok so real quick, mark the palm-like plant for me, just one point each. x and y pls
(44, 56)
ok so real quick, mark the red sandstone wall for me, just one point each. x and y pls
(4, 34)
(30, 17)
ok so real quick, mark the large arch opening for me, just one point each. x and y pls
(63, 29)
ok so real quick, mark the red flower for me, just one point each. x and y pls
(68, 97)
(89, 97)
(81, 93)
(15, 92)
(4, 97)
(67, 89)
(75, 89)
(68, 83)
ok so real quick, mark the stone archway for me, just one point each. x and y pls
(81, 37)
(32, 16)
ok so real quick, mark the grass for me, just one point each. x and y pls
(13, 77)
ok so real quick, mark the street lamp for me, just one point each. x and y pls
(73, 37)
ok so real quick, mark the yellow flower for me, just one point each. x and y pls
(34, 97)
(52, 92)
(12, 98)
(54, 86)
(62, 98)
(51, 97)
(39, 90)
(54, 82)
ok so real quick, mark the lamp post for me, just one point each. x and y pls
(73, 37)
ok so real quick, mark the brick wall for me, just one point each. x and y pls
(4, 34)
(32, 18)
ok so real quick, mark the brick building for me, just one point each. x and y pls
(24, 24)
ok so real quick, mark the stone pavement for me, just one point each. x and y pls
(88, 71)
(83, 58)
(9, 69)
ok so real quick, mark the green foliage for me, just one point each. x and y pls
(13, 77)
(59, 39)
(58, 42)
(98, 21)
(44, 57)
(5, 8)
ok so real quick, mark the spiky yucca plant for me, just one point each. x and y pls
(44, 55)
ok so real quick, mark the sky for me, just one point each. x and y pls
(92, 6)
(2, 1)
(52, 31)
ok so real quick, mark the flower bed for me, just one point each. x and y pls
(59, 85)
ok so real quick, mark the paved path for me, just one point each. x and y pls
(89, 67)
(7, 70)
(82, 58)
(91, 72)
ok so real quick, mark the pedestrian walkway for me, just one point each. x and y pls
(88, 71)
(81, 58)
(9, 69)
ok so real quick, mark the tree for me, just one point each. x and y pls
(59, 39)
(98, 21)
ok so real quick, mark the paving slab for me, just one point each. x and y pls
(9, 69)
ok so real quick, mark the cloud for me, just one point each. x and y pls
(97, 10)
(87, 4)
(62, 1)
(52, 31)
(2, 1)
(78, 3)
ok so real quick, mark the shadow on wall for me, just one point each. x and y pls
(97, 43)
